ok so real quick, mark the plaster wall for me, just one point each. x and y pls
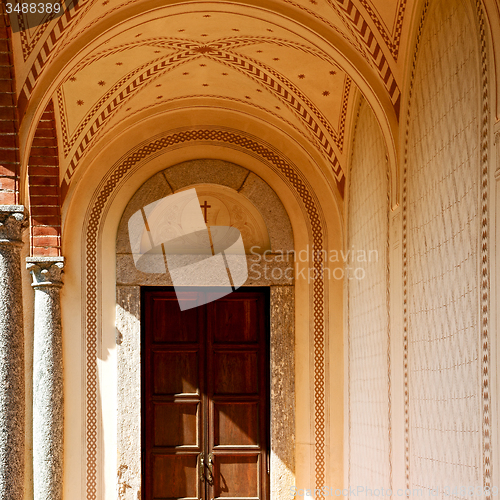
(444, 323)
(368, 335)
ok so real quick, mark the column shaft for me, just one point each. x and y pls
(12, 393)
(48, 412)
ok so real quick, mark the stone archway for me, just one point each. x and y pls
(255, 192)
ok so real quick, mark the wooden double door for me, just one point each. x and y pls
(205, 396)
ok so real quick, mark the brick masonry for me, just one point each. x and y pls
(43, 175)
(9, 146)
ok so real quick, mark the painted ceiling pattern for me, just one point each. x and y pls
(261, 65)
(196, 69)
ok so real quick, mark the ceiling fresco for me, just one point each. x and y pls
(200, 55)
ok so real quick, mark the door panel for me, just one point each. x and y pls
(205, 395)
(237, 476)
(235, 372)
(166, 369)
(170, 326)
(176, 424)
(236, 424)
(235, 321)
(175, 477)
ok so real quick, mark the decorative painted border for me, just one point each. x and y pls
(348, 313)
(366, 36)
(388, 308)
(46, 52)
(485, 266)
(404, 246)
(393, 44)
(302, 190)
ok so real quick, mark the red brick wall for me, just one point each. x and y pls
(43, 177)
(9, 146)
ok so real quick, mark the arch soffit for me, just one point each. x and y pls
(346, 56)
(306, 159)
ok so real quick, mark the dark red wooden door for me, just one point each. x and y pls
(205, 396)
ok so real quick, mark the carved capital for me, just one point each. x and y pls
(46, 271)
(12, 218)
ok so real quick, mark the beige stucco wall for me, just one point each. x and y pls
(368, 335)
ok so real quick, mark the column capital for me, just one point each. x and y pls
(46, 271)
(12, 218)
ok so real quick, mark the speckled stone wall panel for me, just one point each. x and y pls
(273, 211)
(12, 389)
(48, 410)
(277, 269)
(282, 391)
(206, 171)
(128, 340)
(218, 172)
(152, 190)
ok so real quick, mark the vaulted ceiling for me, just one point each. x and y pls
(105, 61)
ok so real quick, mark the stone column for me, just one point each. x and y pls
(12, 396)
(47, 378)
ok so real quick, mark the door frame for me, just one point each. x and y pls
(281, 385)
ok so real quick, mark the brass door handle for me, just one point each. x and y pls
(201, 466)
(210, 467)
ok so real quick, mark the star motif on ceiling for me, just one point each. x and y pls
(157, 51)
(276, 58)
(159, 97)
(269, 29)
(205, 84)
(159, 85)
(259, 90)
(224, 74)
(277, 107)
(333, 72)
(72, 78)
(326, 93)
(236, 29)
(259, 52)
(204, 34)
(80, 102)
(105, 2)
(101, 83)
(180, 31)
(207, 15)
(138, 35)
(119, 63)
(185, 73)
(248, 97)
(203, 49)
(313, 2)
(202, 65)
(302, 76)
(128, 109)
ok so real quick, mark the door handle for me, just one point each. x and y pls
(210, 467)
(201, 466)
